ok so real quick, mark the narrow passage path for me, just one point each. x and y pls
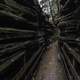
(50, 68)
